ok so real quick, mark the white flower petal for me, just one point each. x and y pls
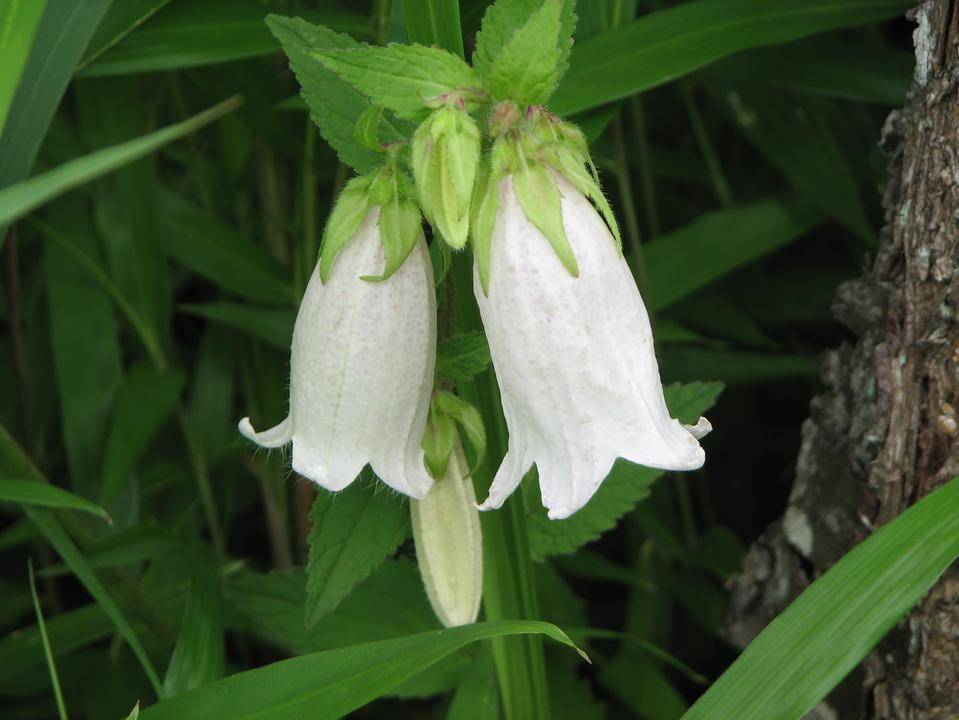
(275, 437)
(574, 359)
(362, 369)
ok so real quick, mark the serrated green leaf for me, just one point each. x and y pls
(402, 77)
(501, 22)
(400, 227)
(353, 532)
(528, 67)
(366, 130)
(625, 486)
(540, 199)
(334, 105)
(462, 357)
(291, 689)
(348, 212)
(29, 492)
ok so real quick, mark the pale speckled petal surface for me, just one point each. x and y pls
(574, 359)
(362, 370)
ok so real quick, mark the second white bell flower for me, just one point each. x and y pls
(573, 353)
(364, 347)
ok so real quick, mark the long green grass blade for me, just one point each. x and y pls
(29, 492)
(332, 683)
(824, 634)
(48, 654)
(667, 44)
(19, 199)
(19, 20)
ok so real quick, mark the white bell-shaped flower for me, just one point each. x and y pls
(573, 353)
(361, 369)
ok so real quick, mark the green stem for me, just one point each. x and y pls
(509, 591)
(644, 158)
(716, 175)
(625, 184)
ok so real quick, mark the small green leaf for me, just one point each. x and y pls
(462, 357)
(439, 439)
(540, 199)
(529, 66)
(404, 78)
(348, 213)
(353, 532)
(366, 130)
(467, 417)
(29, 492)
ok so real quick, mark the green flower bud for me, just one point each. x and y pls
(445, 157)
(449, 544)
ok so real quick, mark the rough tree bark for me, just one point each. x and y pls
(885, 432)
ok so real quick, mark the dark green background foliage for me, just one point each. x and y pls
(145, 312)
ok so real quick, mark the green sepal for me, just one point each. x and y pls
(468, 418)
(573, 169)
(366, 130)
(400, 226)
(483, 219)
(348, 213)
(439, 438)
(541, 202)
(462, 157)
(423, 162)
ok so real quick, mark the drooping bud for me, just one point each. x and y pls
(445, 156)
(449, 543)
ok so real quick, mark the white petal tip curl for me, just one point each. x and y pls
(273, 438)
(560, 513)
(489, 504)
(701, 429)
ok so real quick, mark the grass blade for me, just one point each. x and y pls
(332, 683)
(19, 199)
(816, 641)
(41, 626)
(19, 20)
(667, 44)
(30, 492)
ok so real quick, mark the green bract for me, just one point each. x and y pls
(446, 412)
(399, 221)
(533, 150)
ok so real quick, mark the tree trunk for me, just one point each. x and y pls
(884, 434)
